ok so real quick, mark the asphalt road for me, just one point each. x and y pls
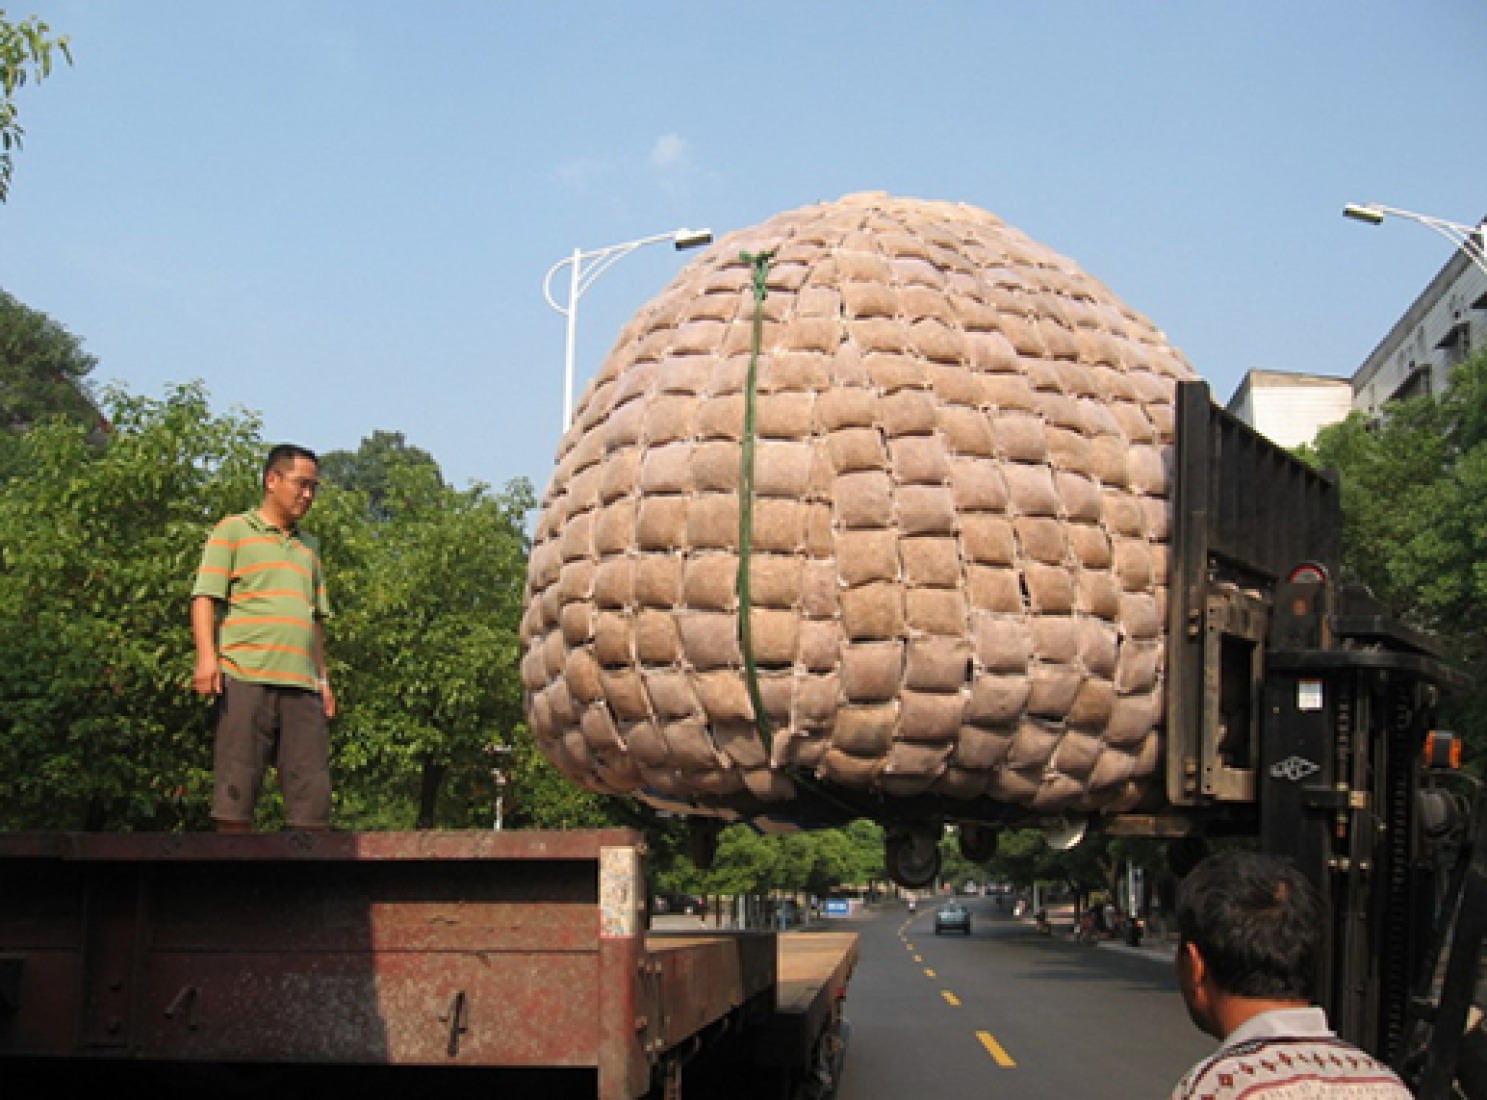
(1005, 1014)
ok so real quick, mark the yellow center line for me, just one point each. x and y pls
(994, 1048)
(919, 958)
(950, 998)
(928, 973)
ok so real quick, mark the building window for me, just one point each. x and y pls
(1456, 344)
(1416, 383)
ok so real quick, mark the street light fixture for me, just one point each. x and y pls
(583, 269)
(1469, 239)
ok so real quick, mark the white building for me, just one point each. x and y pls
(1445, 325)
(1291, 408)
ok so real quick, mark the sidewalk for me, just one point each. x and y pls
(1153, 947)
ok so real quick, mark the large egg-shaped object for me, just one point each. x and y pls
(870, 505)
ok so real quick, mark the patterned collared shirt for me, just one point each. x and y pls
(1289, 1054)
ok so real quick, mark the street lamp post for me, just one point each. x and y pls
(1469, 239)
(501, 754)
(583, 269)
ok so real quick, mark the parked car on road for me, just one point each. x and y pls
(952, 917)
(691, 904)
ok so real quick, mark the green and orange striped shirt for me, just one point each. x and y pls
(270, 593)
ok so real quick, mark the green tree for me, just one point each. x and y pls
(98, 727)
(26, 51)
(425, 642)
(816, 862)
(954, 867)
(371, 467)
(866, 838)
(1414, 498)
(1023, 857)
(746, 863)
(43, 373)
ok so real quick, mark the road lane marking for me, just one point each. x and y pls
(928, 973)
(950, 998)
(994, 1048)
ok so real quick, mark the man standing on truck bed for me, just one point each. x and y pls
(1250, 935)
(256, 614)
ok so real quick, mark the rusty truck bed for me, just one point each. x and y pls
(516, 950)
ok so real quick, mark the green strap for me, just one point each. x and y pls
(766, 729)
(760, 264)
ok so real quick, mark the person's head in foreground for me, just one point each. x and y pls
(1251, 932)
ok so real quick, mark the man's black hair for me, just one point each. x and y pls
(282, 458)
(1257, 921)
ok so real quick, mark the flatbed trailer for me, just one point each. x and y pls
(500, 960)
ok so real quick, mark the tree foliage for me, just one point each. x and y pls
(26, 52)
(43, 373)
(1414, 498)
(428, 584)
(370, 469)
(748, 862)
(1023, 857)
(426, 649)
(97, 726)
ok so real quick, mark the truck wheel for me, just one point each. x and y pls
(978, 843)
(702, 841)
(819, 1080)
(912, 858)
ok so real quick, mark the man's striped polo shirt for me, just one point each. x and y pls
(270, 593)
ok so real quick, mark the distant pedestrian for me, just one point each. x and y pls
(1084, 930)
(1250, 935)
(1135, 929)
(257, 611)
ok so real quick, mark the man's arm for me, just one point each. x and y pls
(326, 695)
(207, 679)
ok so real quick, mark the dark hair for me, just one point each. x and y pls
(282, 458)
(1257, 922)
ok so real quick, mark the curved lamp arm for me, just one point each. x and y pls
(1469, 239)
(583, 268)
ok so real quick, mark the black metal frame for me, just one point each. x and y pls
(1245, 512)
(1297, 711)
(1345, 724)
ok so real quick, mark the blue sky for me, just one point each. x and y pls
(339, 213)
